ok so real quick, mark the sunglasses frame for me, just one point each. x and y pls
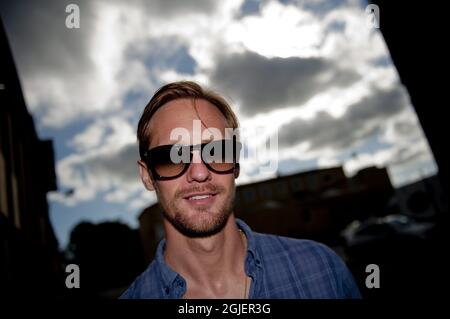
(147, 158)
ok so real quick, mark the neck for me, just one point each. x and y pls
(207, 262)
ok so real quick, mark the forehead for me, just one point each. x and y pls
(179, 116)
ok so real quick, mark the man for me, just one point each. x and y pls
(207, 252)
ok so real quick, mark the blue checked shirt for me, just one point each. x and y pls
(280, 267)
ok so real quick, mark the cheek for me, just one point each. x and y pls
(166, 190)
(227, 181)
(228, 186)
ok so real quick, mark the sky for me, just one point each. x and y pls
(312, 73)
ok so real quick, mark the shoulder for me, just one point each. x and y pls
(296, 248)
(317, 269)
(145, 286)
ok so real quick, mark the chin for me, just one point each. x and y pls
(199, 223)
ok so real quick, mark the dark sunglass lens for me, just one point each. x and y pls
(168, 160)
(221, 155)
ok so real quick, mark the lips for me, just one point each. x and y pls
(200, 198)
(197, 196)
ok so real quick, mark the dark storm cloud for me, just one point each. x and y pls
(262, 84)
(163, 53)
(360, 121)
(121, 164)
(40, 41)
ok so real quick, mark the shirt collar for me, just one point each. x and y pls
(172, 279)
(167, 274)
(253, 259)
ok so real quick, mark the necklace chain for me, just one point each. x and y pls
(244, 238)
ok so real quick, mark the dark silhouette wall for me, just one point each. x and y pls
(109, 256)
(29, 260)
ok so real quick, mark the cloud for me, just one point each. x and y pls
(261, 84)
(323, 7)
(60, 74)
(105, 163)
(169, 9)
(73, 74)
(89, 138)
(278, 31)
(361, 120)
(403, 129)
(162, 53)
(405, 164)
(40, 41)
(111, 133)
(113, 173)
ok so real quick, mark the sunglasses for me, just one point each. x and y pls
(171, 161)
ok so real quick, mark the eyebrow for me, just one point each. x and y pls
(203, 141)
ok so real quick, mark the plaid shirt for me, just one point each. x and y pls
(280, 267)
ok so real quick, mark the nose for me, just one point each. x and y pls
(197, 170)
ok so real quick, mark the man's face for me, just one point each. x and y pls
(199, 202)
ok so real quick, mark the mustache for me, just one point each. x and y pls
(181, 193)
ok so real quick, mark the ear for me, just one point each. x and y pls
(145, 176)
(237, 170)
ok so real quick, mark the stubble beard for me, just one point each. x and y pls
(207, 220)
